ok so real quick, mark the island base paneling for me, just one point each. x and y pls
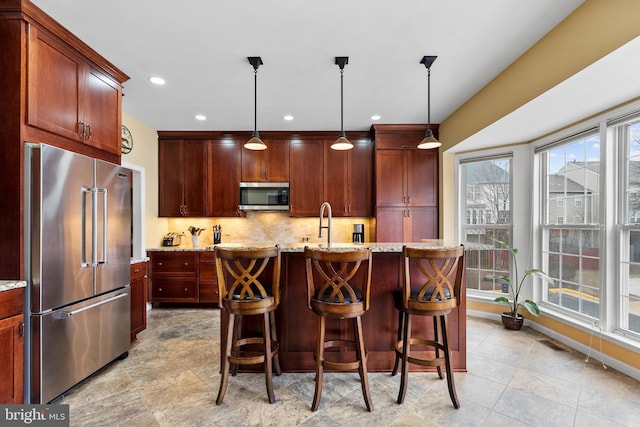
(297, 325)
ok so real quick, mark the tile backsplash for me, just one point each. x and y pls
(265, 227)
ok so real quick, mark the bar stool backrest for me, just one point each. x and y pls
(432, 278)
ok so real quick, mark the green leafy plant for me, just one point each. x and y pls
(515, 287)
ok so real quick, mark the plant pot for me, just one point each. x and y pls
(511, 322)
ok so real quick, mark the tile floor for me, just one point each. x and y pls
(514, 378)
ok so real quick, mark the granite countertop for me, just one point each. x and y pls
(6, 285)
(299, 247)
(137, 260)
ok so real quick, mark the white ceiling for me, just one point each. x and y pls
(200, 47)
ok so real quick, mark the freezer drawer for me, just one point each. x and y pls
(72, 343)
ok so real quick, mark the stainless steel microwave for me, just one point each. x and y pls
(264, 196)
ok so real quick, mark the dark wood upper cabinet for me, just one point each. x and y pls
(69, 97)
(182, 178)
(406, 185)
(305, 176)
(348, 179)
(223, 177)
(270, 165)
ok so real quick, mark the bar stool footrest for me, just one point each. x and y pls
(440, 361)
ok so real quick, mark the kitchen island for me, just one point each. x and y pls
(296, 323)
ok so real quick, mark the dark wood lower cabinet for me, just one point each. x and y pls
(297, 324)
(12, 346)
(138, 298)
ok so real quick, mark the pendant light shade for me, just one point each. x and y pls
(255, 143)
(429, 141)
(342, 143)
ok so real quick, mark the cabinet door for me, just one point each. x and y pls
(421, 223)
(138, 298)
(223, 177)
(12, 359)
(390, 177)
(208, 280)
(270, 165)
(390, 224)
(53, 91)
(336, 179)
(305, 179)
(102, 106)
(194, 177)
(422, 178)
(360, 188)
(170, 196)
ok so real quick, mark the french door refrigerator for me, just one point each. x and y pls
(77, 265)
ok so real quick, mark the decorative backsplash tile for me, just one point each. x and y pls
(265, 227)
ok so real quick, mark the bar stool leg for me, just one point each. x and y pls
(225, 360)
(450, 383)
(436, 339)
(268, 358)
(319, 362)
(361, 354)
(400, 329)
(274, 338)
(236, 349)
(406, 339)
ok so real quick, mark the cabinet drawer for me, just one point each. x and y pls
(173, 263)
(207, 256)
(178, 289)
(11, 302)
(138, 270)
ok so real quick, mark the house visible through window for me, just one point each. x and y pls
(487, 184)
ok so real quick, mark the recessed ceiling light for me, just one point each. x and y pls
(375, 117)
(288, 117)
(201, 117)
(156, 80)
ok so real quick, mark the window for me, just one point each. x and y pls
(629, 234)
(571, 252)
(487, 185)
(578, 202)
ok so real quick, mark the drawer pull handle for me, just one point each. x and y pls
(136, 270)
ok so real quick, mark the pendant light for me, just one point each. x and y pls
(429, 141)
(255, 143)
(342, 143)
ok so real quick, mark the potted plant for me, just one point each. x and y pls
(512, 319)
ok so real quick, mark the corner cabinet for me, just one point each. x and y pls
(406, 185)
(138, 298)
(12, 345)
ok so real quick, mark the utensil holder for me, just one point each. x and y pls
(195, 241)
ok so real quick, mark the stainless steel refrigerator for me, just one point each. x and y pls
(77, 265)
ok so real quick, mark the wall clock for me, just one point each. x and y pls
(127, 140)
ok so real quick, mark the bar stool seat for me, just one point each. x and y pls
(246, 288)
(338, 284)
(432, 280)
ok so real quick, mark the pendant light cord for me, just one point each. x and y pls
(428, 99)
(255, 102)
(341, 103)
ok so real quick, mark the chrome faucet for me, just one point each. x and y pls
(328, 226)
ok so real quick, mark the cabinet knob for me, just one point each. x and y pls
(159, 289)
(186, 263)
(137, 270)
(186, 289)
(159, 263)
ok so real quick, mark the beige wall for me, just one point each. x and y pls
(145, 155)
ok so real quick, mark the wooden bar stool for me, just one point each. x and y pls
(432, 290)
(338, 285)
(241, 273)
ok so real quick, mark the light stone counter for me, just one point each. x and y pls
(6, 285)
(299, 247)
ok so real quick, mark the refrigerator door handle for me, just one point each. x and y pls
(85, 262)
(103, 259)
(66, 314)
